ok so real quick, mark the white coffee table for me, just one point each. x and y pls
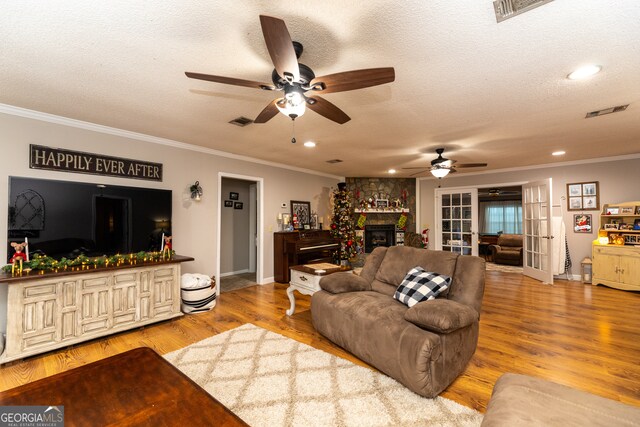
(306, 281)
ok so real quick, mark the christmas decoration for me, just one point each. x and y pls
(342, 222)
(19, 257)
(361, 220)
(402, 221)
(45, 263)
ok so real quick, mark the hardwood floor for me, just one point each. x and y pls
(579, 335)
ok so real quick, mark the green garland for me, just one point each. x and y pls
(46, 263)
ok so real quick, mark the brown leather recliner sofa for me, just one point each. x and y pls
(508, 250)
(424, 347)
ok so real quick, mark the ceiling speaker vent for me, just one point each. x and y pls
(506, 9)
(606, 111)
(241, 121)
(334, 161)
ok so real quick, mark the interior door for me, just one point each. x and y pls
(536, 198)
(457, 219)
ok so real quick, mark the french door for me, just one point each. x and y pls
(537, 230)
(457, 220)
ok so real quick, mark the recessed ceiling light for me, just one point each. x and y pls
(392, 171)
(559, 153)
(309, 144)
(584, 72)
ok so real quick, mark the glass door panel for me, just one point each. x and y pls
(457, 210)
(537, 232)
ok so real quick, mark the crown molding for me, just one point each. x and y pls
(65, 121)
(542, 166)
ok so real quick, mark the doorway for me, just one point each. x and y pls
(239, 259)
(111, 224)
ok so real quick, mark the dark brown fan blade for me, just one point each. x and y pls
(327, 109)
(268, 113)
(356, 79)
(418, 173)
(471, 165)
(418, 167)
(280, 47)
(229, 81)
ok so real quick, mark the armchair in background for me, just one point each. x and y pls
(508, 250)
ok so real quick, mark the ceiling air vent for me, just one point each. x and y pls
(606, 111)
(506, 9)
(241, 121)
(334, 161)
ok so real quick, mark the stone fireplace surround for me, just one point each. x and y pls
(368, 187)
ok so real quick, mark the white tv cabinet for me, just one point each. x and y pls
(53, 310)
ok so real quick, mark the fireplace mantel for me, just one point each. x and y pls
(381, 211)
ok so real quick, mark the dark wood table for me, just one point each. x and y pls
(135, 388)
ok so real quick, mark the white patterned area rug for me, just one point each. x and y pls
(491, 266)
(270, 380)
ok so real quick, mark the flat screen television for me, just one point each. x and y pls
(67, 219)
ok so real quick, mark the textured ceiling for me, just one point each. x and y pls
(488, 92)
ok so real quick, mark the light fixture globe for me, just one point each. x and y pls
(293, 103)
(439, 172)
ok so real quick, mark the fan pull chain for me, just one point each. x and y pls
(293, 132)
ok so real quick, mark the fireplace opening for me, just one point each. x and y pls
(379, 235)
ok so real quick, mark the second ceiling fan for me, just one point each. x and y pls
(441, 166)
(298, 82)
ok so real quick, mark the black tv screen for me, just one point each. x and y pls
(67, 219)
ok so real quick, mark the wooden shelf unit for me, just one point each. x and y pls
(617, 265)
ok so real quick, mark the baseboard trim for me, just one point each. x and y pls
(267, 280)
(233, 273)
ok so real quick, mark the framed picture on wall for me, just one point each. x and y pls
(237, 205)
(234, 196)
(582, 223)
(228, 204)
(583, 196)
(302, 210)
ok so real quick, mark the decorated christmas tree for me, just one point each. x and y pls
(342, 222)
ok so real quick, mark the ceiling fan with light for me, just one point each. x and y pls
(298, 82)
(441, 166)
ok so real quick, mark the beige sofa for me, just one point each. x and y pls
(521, 400)
(424, 347)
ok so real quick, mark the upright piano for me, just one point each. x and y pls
(301, 247)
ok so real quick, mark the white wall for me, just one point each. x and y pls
(193, 223)
(618, 183)
(234, 228)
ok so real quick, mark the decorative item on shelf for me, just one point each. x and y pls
(302, 211)
(19, 256)
(196, 191)
(619, 240)
(585, 270)
(603, 240)
(342, 222)
(314, 221)
(636, 223)
(166, 247)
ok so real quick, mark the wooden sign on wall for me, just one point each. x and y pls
(57, 159)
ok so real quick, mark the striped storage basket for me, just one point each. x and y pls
(198, 293)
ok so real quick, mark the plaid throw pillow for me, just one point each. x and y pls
(420, 285)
